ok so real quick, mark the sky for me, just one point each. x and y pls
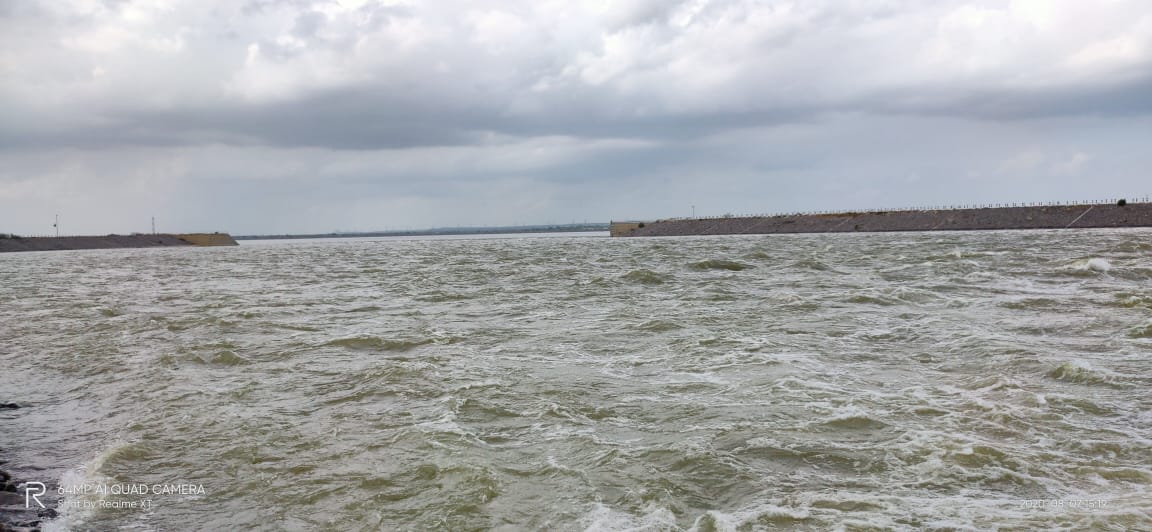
(303, 116)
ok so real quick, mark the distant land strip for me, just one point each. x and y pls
(61, 243)
(500, 230)
(1092, 214)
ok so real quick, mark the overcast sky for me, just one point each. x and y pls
(281, 116)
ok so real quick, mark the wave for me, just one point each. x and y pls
(372, 343)
(1089, 267)
(225, 357)
(443, 297)
(601, 518)
(219, 355)
(654, 517)
(1099, 265)
(1143, 331)
(852, 418)
(811, 264)
(660, 326)
(1125, 300)
(294, 327)
(1029, 303)
(80, 501)
(868, 299)
(643, 276)
(720, 264)
(1081, 372)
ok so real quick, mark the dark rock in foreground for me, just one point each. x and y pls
(16, 515)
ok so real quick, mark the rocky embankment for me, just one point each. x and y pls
(991, 218)
(10, 243)
(14, 515)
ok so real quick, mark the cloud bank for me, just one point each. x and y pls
(273, 116)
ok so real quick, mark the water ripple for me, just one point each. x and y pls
(889, 381)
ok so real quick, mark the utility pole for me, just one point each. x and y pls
(153, 225)
(57, 225)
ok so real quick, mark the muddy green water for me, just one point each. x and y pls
(892, 381)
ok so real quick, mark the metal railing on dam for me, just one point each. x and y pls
(1136, 212)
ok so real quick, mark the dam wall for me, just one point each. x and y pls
(54, 243)
(208, 239)
(1080, 216)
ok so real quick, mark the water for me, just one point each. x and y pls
(894, 381)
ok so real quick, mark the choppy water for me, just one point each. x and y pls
(897, 381)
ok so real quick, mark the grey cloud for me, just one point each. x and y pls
(365, 119)
(1126, 98)
(308, 23)
(409, 103)
(259, 7)
(741, 105)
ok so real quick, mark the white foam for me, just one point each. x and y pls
(603, 518)
(848, 412)
(447, 421)
(486, 383)
(1095, 264)
(72, 515)
(1099, 265)
(761, 442)
(732, 521)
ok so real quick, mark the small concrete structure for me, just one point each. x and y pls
(623, 228)
(208, 239)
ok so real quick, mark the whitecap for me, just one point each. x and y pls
(1099, 265)
(603, 518)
